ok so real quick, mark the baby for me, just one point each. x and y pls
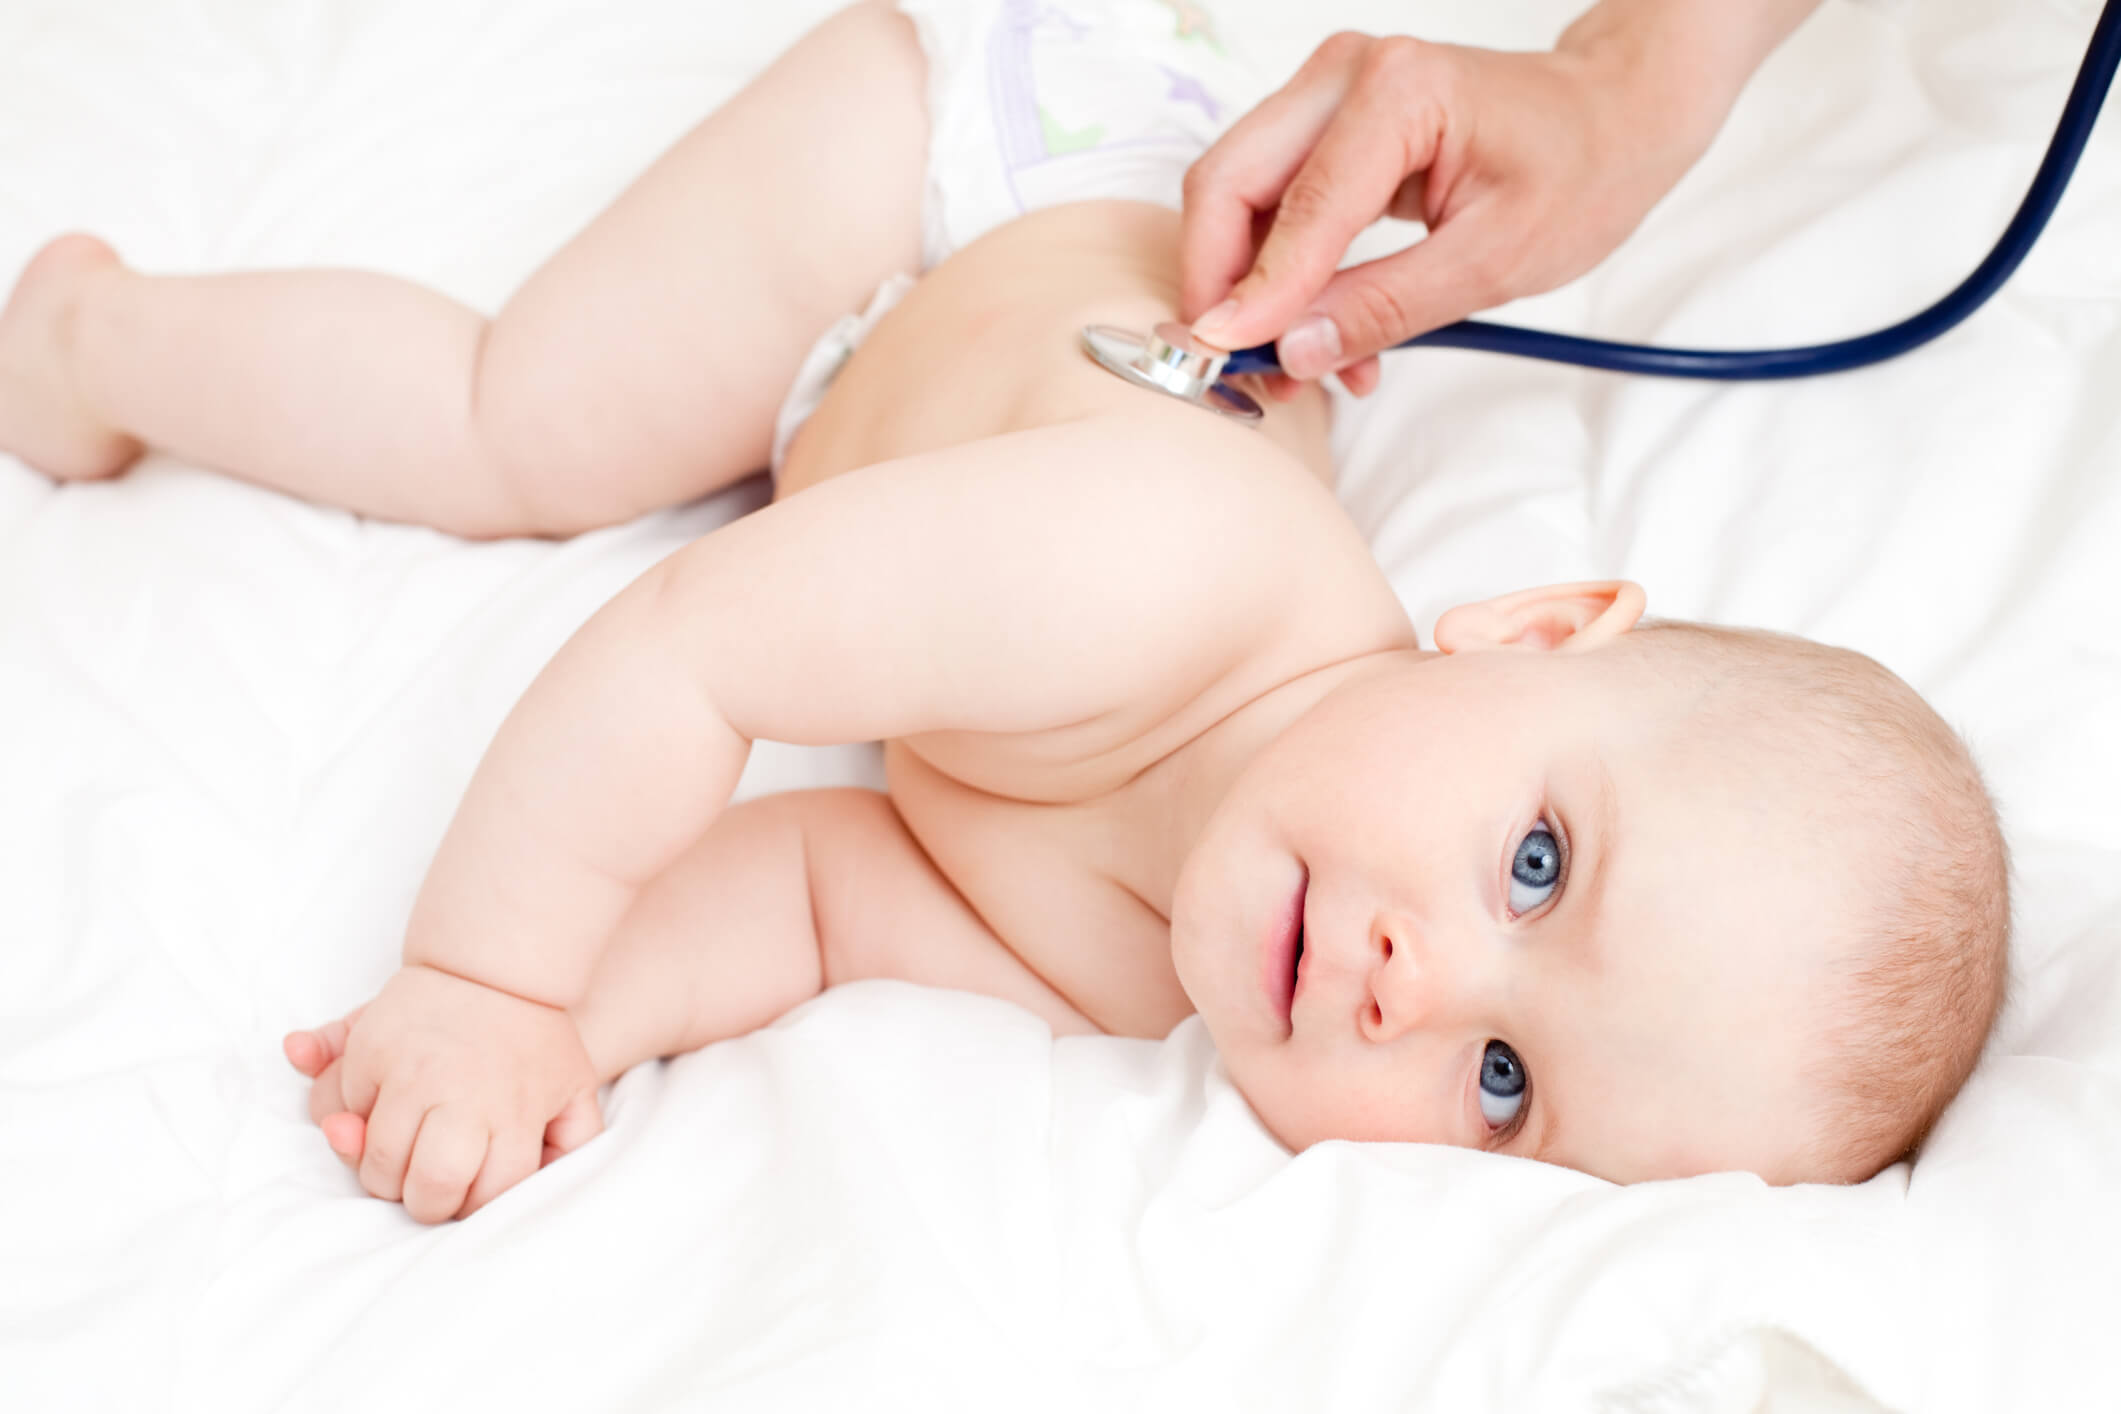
(1641, 900)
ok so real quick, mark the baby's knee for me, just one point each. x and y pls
(536, 432)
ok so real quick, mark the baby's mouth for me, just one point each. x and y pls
(1296, 953)
(1283, 954)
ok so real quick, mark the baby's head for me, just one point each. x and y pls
(1643, 900)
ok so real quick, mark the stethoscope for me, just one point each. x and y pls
(1170, 360)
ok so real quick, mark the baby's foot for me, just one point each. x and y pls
(42, 421)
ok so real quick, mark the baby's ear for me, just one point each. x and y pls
(1556, 618)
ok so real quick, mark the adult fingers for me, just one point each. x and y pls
(393, 1130)
(1281, 387)
(1361, 377)
(1238, 181)
(1454, 272)
(1382, 133)
(447, 1156)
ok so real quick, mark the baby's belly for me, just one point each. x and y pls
(987, 343)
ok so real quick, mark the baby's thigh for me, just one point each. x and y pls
(656, 346)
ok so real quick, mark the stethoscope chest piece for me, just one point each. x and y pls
(1170, 360)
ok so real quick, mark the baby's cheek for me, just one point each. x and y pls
(1386, 1096)
(1304, 1102)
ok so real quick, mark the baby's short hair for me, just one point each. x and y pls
(1926, 978)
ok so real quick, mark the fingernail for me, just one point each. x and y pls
(1311, 348)
(1215, 321)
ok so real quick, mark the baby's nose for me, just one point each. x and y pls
(1417, 979)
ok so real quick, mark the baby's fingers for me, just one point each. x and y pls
(574, 1126)
(513, 1157)
(346, 1134)
(452, 1146)
(310, 1051)
(393, 1127)
(343, 1129)
(510, 1158)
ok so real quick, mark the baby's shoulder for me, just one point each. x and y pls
(1197, 567)
(1284, 527)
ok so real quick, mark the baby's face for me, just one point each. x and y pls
(1512, 900)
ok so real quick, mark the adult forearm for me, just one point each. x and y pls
(610, 765)
(1683, 62)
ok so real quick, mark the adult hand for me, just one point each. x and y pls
(1528, 169)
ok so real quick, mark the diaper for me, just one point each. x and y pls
(1036, 103)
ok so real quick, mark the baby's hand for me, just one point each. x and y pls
(444, 1093)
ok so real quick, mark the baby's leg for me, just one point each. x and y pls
(641, 367)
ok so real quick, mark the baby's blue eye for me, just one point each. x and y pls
(1501, 1084)
(1535, 872)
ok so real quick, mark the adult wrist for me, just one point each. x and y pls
(1673, 68)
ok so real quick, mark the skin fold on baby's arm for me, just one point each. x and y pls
(1112, 570)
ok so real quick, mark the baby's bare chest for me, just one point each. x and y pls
(1052, 882)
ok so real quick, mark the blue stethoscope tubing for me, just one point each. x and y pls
(2079, 114)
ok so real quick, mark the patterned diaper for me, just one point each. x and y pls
(1033, 103)
(1036, 103)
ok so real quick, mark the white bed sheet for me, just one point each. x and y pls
(237, 725)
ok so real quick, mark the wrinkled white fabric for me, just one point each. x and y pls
(238, 725)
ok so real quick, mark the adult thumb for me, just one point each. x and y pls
(1273, 295)
(1348, 180)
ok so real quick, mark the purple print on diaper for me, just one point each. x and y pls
(1029, 134)
(1187, 89)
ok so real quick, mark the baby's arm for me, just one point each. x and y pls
(784, 896)
(1107, 570)
(787, 895)
(1011, 585)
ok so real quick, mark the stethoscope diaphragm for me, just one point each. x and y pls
(1168, 359)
